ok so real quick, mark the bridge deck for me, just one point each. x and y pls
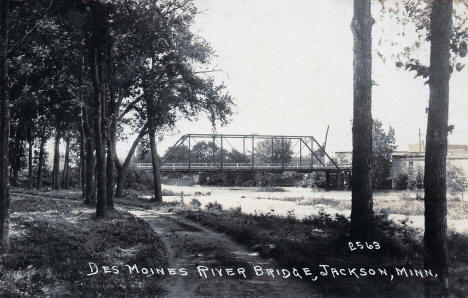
(241, 167)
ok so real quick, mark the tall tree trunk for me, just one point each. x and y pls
(435, 187)
(110, 172)
(155, 162)
(361, 210)
(90, 165)
(15, 159)
(98, 141)
(14, 155)
(111, 139)
(90, 161)
(40, 165)
(30, 161)
(5, 130)
(56, 166)
(122, 168)
(82, 156)
(16, 165)
(66, 164)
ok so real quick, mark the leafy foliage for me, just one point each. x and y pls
(456, 181)
(383, 144)
(411, 39)
(274, 151)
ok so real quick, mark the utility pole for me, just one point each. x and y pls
(419, 141)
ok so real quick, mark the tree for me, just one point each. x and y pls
(435, 186)
(171, 82)
(4, 128)
(383, 146)
(361, 208)
(278, 151)
(99, 43)
(179, 155)
(456, 181)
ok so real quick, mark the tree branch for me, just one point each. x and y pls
(129, 107)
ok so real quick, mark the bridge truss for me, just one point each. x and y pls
(236, 152)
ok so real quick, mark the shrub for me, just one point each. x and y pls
(401, 181)
(215, 206)
(138, 179)
(456, 182)
(237, 210)
(195, 203)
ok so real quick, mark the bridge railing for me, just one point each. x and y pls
(230, 165)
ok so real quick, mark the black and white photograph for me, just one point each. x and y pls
(233, 148)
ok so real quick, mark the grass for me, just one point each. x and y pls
(129, 199)
(53, 241)
(324, 240)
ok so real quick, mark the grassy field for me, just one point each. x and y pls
(53, 241)
(324, 240)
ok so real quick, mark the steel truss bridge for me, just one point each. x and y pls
(253, 152)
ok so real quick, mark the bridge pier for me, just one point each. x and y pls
(340, 177)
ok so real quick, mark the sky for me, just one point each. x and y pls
(288, 65)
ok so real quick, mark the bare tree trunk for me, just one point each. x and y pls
(5, 130)
(361, 210)
(91, 195)
(40, 165)
(15, 156)
(110, 173)
(100, 148)
(30, 162)
(90, 161)
(155, 162)
(111, 139)
(435, 187)
(66, 164)
(56, 170)
(122, 169)
(83, 156)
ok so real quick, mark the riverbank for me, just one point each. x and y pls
(53, 242)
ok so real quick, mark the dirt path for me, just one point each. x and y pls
(190, 245)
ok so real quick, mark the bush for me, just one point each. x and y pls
(215, 206)
(456, 182)
(401, 181)
(195, 203)
(416, 179)
(139, 179)
(237, 210)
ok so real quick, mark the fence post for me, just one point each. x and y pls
(300, 152)
(189, 154)
(311, 153)
(253, 149)
(222, 155)
(282, 152)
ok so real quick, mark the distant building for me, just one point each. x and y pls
(411, 161)
(344, 158)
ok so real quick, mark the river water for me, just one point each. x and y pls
(253, 200)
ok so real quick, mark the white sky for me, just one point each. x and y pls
(288, 64)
